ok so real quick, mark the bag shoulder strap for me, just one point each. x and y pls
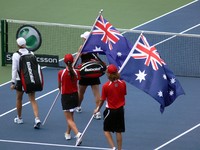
(21, 53)
(97, 58)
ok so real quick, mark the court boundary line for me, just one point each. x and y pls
(5, 83)
(175, 138)
(165, 14)
(188, 29)
(10, 80)
(55, 145)
(7, 112)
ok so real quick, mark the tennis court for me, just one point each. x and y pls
(146, 127)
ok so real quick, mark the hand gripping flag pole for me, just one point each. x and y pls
(51, 108)
(80, 50)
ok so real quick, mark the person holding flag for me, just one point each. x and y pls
(113, 92)
(149, 69)
(85, 82)
(104, 39)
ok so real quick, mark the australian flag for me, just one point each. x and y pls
(105, 39)
(145, 69)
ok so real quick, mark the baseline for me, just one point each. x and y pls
(55, 145)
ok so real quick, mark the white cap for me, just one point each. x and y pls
(21, 41)
(85, 35)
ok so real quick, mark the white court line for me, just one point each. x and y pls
(165, 14)
(4, 83)
(10, 81)
(177, 137)
(176, 35)
(29, 102)
(55, 145)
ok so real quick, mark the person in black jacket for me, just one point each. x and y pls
(85, 82)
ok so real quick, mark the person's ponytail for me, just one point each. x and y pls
(71, 70)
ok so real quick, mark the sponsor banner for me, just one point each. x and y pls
(43, 60)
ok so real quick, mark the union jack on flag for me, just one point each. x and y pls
(106, 39)
(148, 53)
(160, 83)
(108, 32)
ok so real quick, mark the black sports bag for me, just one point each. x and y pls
(92, 69)
(30, 73)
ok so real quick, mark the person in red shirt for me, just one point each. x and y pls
(67, 84)
(113, 92)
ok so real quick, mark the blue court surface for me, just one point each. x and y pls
(146, 128)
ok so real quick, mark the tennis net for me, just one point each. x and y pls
(179, 50)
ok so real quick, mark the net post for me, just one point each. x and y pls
(3, 43)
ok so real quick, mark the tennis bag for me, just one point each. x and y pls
(92, 69)
(30, 73)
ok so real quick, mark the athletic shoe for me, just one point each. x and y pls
(78, 109)
(37, 123)
(78, 139)
(18, 120)
(67, 136)
(114, 148)
(97, 116)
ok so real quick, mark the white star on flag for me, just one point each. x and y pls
(119, 54)
(171, 93)
(140, 76)
(98, 49)
(164, 76)
(160, 94)
(173, 80)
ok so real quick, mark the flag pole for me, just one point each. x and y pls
(80, 50)
(85, 129)
(129, 55)
(51, 108)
